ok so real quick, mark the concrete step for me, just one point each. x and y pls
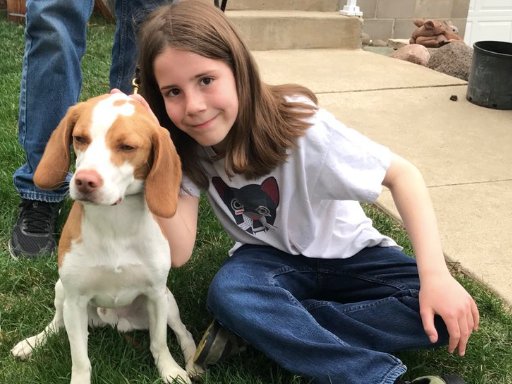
(292, 5)
(290, 29)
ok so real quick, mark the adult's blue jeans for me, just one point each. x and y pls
(51, 79)
(334, 321)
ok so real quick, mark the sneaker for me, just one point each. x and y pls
(34, 231)
(443, 379)
(216, 345)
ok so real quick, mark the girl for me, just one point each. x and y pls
(310, 282)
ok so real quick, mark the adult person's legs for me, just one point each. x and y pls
(55, 39)
(129, 14)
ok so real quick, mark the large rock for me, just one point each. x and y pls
(397, 43)
(415, 53)
(453, 59)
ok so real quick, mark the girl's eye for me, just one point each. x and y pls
(173, 92)
(206, 80)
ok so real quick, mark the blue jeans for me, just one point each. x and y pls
(334, 321)
(129, 15)
(51, 79)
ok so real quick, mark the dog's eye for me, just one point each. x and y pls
(80, 139)
(125, 148)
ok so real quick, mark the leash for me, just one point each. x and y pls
(136, 80)
(222, 6)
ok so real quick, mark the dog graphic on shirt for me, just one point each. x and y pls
(253, 206)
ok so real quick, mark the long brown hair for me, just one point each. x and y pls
(267, 124)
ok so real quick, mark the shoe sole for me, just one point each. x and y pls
(11, 251)
(17, 258)
(215, 347)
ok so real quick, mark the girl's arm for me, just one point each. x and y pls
(180, 230)
(440, 293)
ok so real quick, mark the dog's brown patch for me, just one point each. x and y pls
(71, 232)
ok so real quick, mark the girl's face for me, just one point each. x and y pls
(199, 93)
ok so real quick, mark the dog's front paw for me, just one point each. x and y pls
(80, 380)
(194, 371)
(23, 350)
(81, 375)
(176, 375)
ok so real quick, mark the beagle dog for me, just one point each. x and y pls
(113, 258)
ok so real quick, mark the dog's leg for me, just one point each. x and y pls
(188, 346)
(24, 348)
(157, 312)
(75, 320)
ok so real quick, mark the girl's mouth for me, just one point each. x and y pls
(204, 124)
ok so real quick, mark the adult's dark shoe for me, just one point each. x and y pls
(33, 234)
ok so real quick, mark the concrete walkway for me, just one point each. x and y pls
(464, 151)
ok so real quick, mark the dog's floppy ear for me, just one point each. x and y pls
(163, 181)
(54, 165)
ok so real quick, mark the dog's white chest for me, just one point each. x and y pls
(118, 286)
(113, 264)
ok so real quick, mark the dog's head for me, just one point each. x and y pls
(120, 150)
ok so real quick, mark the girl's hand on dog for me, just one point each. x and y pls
(140, 99)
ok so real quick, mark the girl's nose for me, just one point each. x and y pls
(195, 103)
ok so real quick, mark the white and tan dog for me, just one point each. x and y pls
(113, 258)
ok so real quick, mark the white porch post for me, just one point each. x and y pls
(351, 9)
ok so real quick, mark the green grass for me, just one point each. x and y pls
(26, 287)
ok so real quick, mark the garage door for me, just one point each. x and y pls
(489, 20)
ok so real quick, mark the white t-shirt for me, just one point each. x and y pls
(310, 204)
